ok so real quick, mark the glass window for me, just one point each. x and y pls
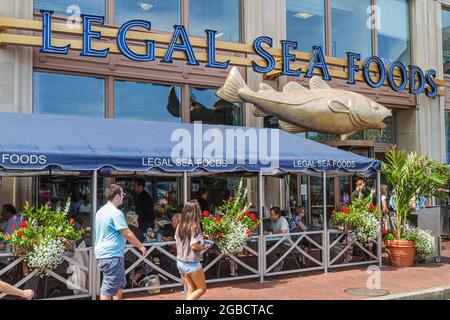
(66, 7)
(305, 23)
(357, 136)
(446, 40)
(387, 136)
(164, 192)
(57, 190)
(345, 191)
(163, 14)
(206, 107)
(64, 94)
(224, 16)
(393, 33)
(317, 200)
(271, 122)
(147, 101)
(219, 189)
(350, 31)
(321, 136)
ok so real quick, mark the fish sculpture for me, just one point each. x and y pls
(318, 109)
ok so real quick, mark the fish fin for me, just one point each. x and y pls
(258, 112)
(291, 128)
(338, 107)
(292, 87)
(347, 135)
(317, 83)
(265, 87)
(230, 90)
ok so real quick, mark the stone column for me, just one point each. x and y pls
(16, 78)
(264, 17)
(427, 54)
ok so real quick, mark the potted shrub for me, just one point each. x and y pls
(410, 175)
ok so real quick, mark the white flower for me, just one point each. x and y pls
(45, 256)
(235, 239)
(369, 228)
(425, 242)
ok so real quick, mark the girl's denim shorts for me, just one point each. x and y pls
(188, 267)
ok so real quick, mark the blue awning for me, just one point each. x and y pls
(37, 142)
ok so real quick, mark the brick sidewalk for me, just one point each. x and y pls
(319, 286)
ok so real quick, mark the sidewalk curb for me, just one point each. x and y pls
(437, 293)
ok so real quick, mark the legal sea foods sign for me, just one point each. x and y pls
(419, 81)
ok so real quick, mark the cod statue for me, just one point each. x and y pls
(319, 109)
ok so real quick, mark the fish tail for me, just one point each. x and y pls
(231, 87)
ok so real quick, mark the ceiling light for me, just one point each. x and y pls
(145, 6)
(303, 15)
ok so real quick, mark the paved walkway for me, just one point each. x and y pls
(319, 286)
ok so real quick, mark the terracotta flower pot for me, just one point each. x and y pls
(401, 252)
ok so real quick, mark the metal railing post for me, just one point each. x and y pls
(262, 249)
(93, 268)
(379, 240)
(185, 187)
(325, 225)
(185, 200)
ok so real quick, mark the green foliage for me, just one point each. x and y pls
(356, 212)
(232, 210)
(411, 176)
(42, 225)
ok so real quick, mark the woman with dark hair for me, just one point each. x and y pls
(189, 247)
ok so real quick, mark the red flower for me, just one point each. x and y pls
(19, 233)
(219, 219)
(71, 220)
(14, 227)
(249, 233)
(23, 225)
(252, 216)
(346, 210)
(205, 214)
(7, 236)
(247, 213)
(395, 234)
(372, 207)
(385, 232)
